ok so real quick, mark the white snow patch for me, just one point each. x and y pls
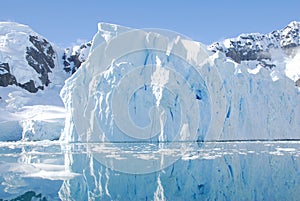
(255, 70)
(292, 70)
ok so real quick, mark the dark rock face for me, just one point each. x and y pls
(5, 77)
(71, 63)
(41, 58)
(245, 48)
(30, 86)
(73, 60)
(298, 83)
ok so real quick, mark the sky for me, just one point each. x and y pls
(68, 22)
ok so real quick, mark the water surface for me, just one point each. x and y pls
(238, 170)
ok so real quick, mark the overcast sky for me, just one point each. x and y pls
(66, 21)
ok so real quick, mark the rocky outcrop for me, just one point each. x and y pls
(250, 47)
(262, 49)
(74, 57)
(40, 57)
(6, 78)
(298, 83)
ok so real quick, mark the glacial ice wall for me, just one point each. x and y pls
(144, 86)
(155, 85)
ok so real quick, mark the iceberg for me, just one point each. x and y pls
(140, 85)
(156, 85)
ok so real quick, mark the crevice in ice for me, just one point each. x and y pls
(159, 79)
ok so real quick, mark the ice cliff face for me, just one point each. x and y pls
(238, 95)
(166, 85)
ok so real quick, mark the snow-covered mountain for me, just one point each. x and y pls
(32, 72)
(31, 76)
(26, 58)
(266, 50)
(256, 46)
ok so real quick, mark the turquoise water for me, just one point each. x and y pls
(253, 170)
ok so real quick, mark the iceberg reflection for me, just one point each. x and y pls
(267, 170)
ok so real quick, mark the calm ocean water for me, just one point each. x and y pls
(237, 170)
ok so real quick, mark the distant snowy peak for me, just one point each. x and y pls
(26, 58)
(290, 35)
(256, 46)
(276, 49)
